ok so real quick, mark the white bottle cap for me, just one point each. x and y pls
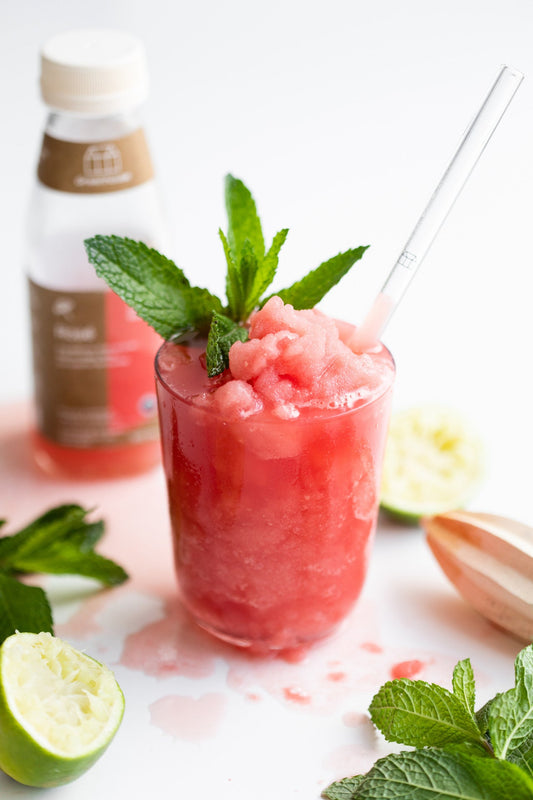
(94, 72)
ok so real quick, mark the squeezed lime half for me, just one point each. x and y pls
(434, 460)
(59, 709)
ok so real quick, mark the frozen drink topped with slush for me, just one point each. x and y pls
(272, 430)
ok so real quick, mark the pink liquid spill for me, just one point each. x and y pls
(407, 669)
(188, 718)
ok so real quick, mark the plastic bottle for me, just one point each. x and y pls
(93, 358)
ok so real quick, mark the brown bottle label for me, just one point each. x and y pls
(90, 167)
(93, 369)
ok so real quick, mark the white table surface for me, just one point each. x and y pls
(341, 118)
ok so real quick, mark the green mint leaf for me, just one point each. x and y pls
(87, 536)
(309, 291)
(248, 269)
(22, 608)
(464, 685)
(243, 220)
(223, 333)
(482, 716)
(67, 559)
(60, 541)
(267, 270)
(55, 524)
(233, 282)
(343, 790)
(152, 285)
(522, 755)
(511, 713)
(421, 714)
(439, 775)
(479, 749)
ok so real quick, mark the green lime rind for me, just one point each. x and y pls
(26, 754)
(434, 462)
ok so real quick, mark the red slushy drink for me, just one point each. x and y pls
(273, 473)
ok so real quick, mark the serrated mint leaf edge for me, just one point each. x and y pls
(159, 293)
(313, 287)
(431, 773)
(343, 789)
(393, 703)
(514, 708)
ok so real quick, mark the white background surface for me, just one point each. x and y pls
(341, 118)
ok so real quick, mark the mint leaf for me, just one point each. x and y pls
(343, 790)
(511, 713)
(482, 716)
(421, 714)
(67, 559)
(52, 526)
(267, 270)
(60, 541)
(23, 608)
(464, 685)
(233, 282)
(522, 755)
(243, 284)
(436, 775)
(243, 220)
(224, 332)
(309, 291)
(152, 285)
(87, 536)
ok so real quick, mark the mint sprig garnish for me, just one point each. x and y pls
(160, 293)
(460, 754)
(60, 541)
(153, 286)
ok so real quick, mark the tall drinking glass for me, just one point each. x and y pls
(272, 518)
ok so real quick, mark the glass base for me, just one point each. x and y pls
(292, 650)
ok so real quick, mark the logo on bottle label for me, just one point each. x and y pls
(83, 167)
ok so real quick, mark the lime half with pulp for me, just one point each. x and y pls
(59, 709)
(433, 463)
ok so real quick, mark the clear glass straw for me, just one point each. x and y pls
(463, 162)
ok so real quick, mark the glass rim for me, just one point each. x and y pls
(319, 415)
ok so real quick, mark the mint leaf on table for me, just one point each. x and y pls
(511, 715)
(60, 541)
(421, 714)
(309, 291)
(51, 527)
(435, 774)
(461, 754)
(152, 285)
(23, 608)
(68, 559)
(223, 334)
(344, 789)
(482, 716)
(464, 685)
